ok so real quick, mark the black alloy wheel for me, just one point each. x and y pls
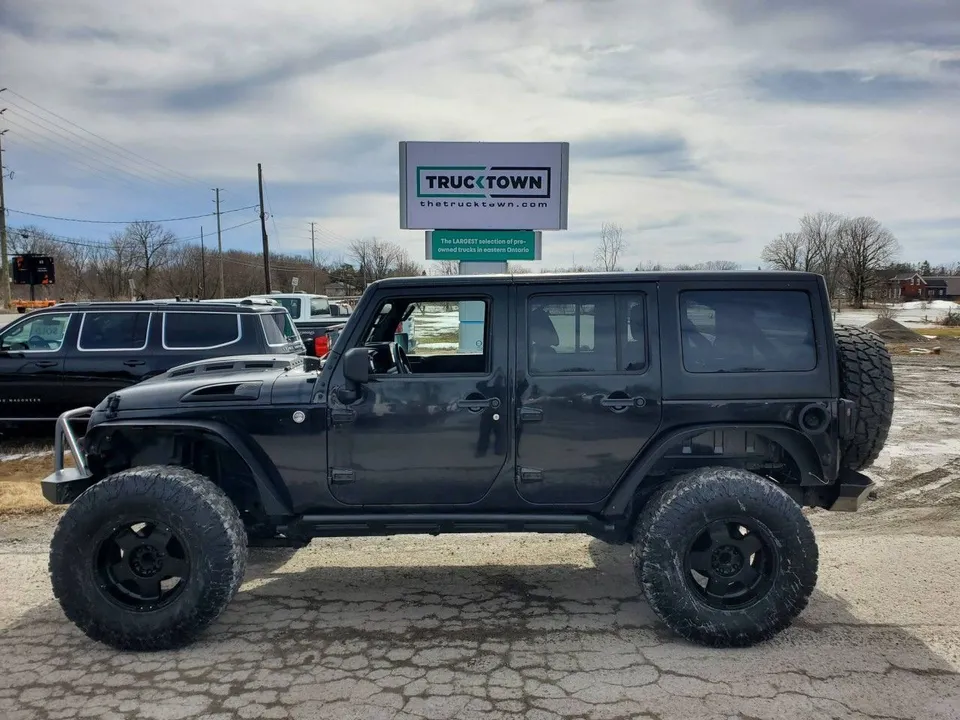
(142, 565)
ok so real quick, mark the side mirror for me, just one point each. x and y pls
(356, 365)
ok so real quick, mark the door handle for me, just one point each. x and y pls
(478, 403)
(45, 363)
(622, 404)
(134, 363)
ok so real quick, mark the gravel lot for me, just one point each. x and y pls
(535, 626)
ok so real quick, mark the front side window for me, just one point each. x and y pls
(113, 331)
(43, 333)
(439, 335)
(747, 331)
(199, 330)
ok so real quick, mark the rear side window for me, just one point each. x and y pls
(279, 329)
(291, 304)
(199, 330)
(114, 331)
(319, 306)
(742, 331)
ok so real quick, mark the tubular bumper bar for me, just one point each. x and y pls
(65, 484)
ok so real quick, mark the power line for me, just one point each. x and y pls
(104, 140)
(106, 243)
(127, 222)
(77, 143)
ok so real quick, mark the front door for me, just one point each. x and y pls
(439, 433)
(589, 388)
(31, 367)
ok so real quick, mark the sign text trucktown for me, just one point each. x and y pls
(483, 186)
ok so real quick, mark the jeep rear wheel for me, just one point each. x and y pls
(148, 558)
(725, 557)
(866, 378)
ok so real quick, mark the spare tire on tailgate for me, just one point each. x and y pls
(866, 378)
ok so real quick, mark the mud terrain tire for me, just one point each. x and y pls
(764, 577)
(130, 533)
(866, 378)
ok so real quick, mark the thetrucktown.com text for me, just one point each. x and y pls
(480, 204)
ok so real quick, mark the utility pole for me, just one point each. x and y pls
(5, 269)
(263, 232)
(219, 245)
(313, 257)
(203, 268)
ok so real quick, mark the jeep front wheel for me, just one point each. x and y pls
(148, 558)
(725, 557)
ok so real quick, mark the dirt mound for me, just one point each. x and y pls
(892, 331)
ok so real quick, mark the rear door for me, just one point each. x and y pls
(111, 353)
(589, 387)
(31, 367)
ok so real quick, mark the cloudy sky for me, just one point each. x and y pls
(703, 128)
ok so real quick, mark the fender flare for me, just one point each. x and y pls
(797, 446)
(275, 501)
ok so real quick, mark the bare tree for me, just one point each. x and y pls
(611, 247)
(151, 245)
(787, 251)
(722, 265)
(114, 265)
(866, 247)
(821, 235)
(446, 267)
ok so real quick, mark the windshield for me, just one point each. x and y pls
(279, 329)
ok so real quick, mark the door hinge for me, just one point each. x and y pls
(339, 476)
(529, 475)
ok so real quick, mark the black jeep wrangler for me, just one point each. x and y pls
(692, 415)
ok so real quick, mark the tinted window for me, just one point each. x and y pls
(279, 329)
(114, 331)
(44, 332)
(200, 330)
(572, 333)
(633, 338)
(747, 331)
(319, 306)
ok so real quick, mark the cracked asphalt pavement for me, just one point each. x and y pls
(536, 627)
(532, 626)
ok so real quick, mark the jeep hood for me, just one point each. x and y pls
(237, 381)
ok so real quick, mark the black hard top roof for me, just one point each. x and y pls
(160, 305)
(745, 276)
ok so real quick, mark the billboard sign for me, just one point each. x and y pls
(32, 269)
(483, 186)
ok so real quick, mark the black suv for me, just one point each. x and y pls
(75, 354)
(692, 415)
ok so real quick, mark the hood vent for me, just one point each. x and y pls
(224, 392)
(235, 364)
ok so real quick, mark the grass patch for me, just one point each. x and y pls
(949, 332)
(450, 337)
(20, 485)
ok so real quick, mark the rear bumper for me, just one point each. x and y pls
(853, 490)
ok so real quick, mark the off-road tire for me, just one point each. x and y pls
(674, 517)
(866, 378)
(207, 525)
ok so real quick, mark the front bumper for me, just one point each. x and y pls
(64, 485)
(854, 489)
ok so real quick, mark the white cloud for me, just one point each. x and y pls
(320, 93)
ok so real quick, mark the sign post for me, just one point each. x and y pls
(484, 205)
